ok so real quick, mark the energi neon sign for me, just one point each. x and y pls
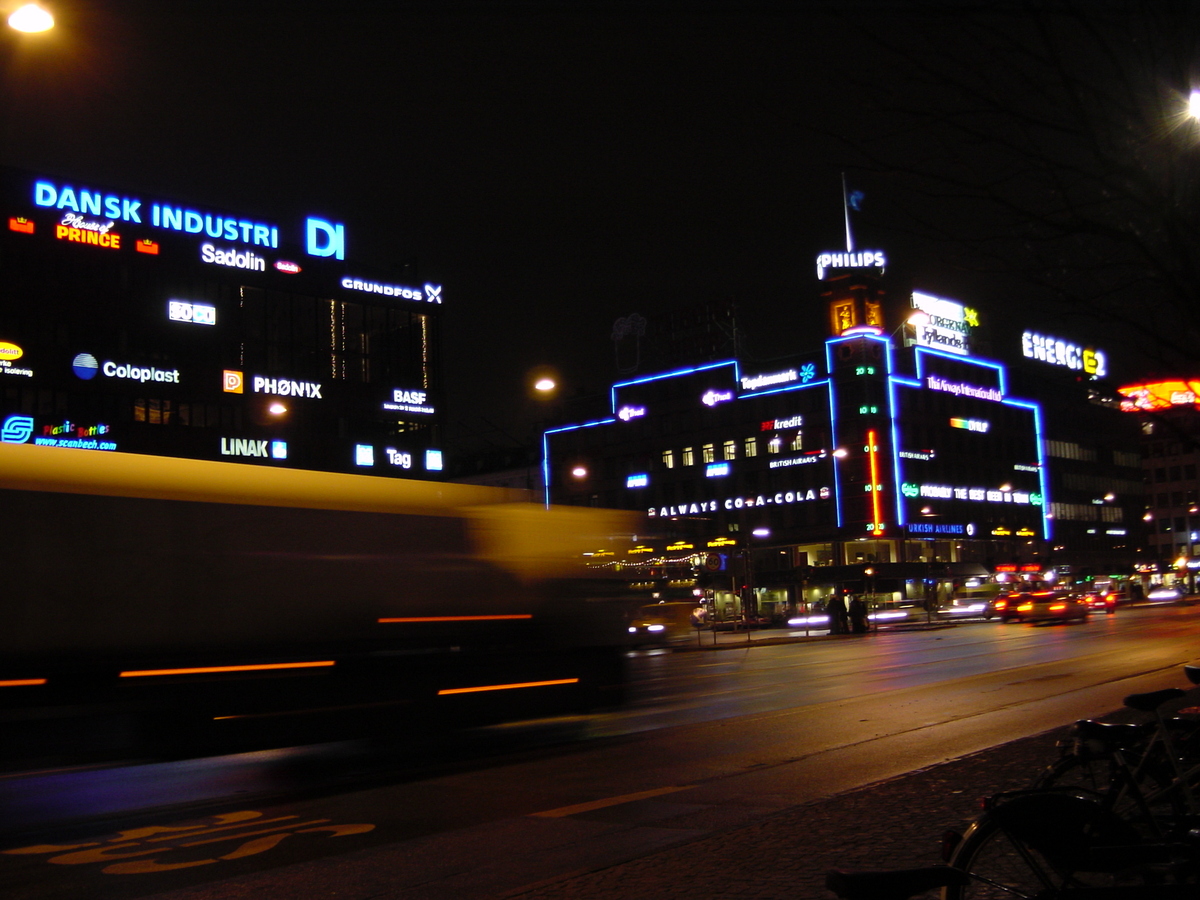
(1063, 353)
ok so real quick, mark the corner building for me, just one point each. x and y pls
(894, 464)
(131, 322)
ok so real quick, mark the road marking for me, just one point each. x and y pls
(610, 801)
(506, 687)
(245, 828)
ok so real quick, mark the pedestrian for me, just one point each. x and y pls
(837, 615)
(859, 624)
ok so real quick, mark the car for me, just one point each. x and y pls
(1053, 606)
(1102, 601)
(1005, 606)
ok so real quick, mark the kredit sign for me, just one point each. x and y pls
(321, 237)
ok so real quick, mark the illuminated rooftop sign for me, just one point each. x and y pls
(755, 382)
(862, 259)
(945, 324)
(432, 293)
(1058, 352)
(1159, 395)
(321, 238)
(962, 389)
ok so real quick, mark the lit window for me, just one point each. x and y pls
(730, 450)
(669, 459)
(752, 446)
(709, 453)
(774, 445)
(798, 441)
(689, 456)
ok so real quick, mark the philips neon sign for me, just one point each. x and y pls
(866, 259)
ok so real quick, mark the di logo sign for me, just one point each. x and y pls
(233, 382)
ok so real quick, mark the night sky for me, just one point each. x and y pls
(555, 166)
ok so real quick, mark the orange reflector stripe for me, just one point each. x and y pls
(506, 687)
(456, 618)
(22, 682)
(204, 670)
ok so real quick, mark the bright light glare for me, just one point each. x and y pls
(277, 409)
(579, 472)
(31, 18)
(897, 614)
(544, 384)
(1194, 105)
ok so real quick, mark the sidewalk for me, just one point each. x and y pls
(893, 824)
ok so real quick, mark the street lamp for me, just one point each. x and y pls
(31, 19)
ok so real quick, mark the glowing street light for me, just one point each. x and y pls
(31, 19)
(545, 385)
(1194, 105)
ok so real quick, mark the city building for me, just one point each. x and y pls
(1168, 413)
(890, 460)
(134, 322)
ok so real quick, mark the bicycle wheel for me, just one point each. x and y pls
(1037, 849)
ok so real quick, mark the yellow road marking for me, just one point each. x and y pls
(601, 804)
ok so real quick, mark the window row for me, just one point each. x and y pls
(728, 450)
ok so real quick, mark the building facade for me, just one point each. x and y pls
(891, 460)
(131, 322)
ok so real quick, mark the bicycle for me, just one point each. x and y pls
(1125, 836)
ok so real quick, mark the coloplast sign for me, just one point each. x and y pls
(87, 367)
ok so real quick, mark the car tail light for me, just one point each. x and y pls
(1025, 607)
(1001, 604)
(1058, 607)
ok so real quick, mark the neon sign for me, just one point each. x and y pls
(962, 389)
(781, 424)
(409, 402)
(781, 498)
(717, 470)
(232, 258)
(1160, 395)
(712, 398)
(92, 236)
(1063, 353)
(977, 425)
(988, 495)
(196, 313)
(16, 430)
(945, 324)
(251, 447)
(321, 237)
(866, 259)
(625, 413)
(432, 293)
(754, 382)
(637, 481)
(283, 387)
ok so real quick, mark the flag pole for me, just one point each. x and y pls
(846, 213)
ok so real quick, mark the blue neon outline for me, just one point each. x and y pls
(546, 451)
(737, 380)
(1001, 369)
(1041, 460)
